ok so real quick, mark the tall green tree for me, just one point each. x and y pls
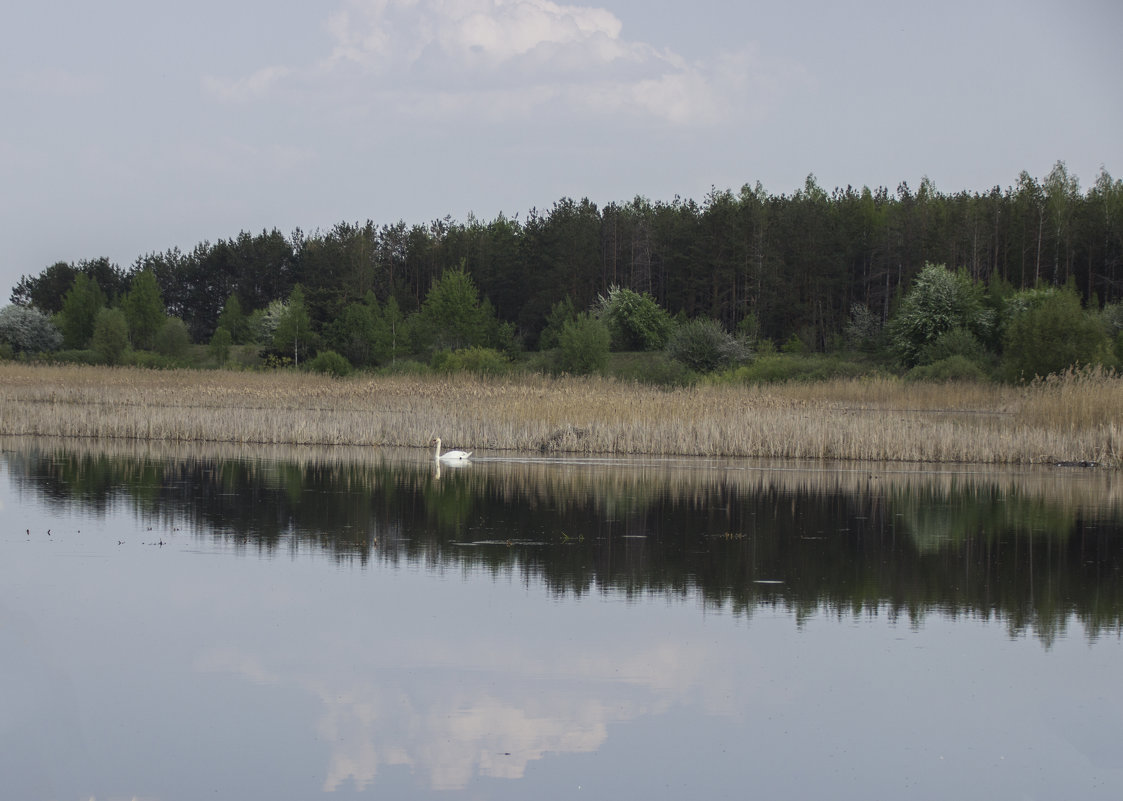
(390, 327)
(144, 310)
(354, 333)
(453, 316)
(234, 320)
(79, 312)
(47, 290)
(293, 333)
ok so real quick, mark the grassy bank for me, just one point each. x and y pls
(1072, 418)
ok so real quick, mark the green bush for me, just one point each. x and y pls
(562, 312)
(330, 363)
(583, 346)
(149, 359)
(957, 341)
(406, 367)
(938, 301)
(482, 361)
(73, 356)
(656, 369)
(635, 321)
(111, 335)
(952, 368)
(275, 361)
(704, 345)
(172, 339)
(777, 368)
(795, 346)
(1051, 335)
(220, 345)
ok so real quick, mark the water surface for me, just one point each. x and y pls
(240, 623)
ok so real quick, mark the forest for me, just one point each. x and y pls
(810, 271)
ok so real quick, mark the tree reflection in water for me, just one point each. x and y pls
(1032, 548)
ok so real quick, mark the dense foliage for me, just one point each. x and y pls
(810, 271)
(28, 330)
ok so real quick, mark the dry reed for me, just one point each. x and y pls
(1073, 418)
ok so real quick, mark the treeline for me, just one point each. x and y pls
(779, 266)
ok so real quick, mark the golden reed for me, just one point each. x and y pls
(1077, 417)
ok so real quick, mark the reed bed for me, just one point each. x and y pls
(1073, 418)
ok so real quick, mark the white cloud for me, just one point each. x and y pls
(380, 33)
(494, 60)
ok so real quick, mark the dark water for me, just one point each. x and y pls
(288, 625)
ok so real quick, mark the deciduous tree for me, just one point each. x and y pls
(79, 311)
(111, 335)
(144, 309)
(293, 333)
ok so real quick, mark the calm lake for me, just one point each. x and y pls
(208, 623)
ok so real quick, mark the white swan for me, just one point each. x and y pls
(447, 456)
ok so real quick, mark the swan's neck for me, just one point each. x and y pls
(437, 448)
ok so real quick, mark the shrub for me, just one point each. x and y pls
(28, 330)
(956, 342)
(74, 356)
(148, 359)
(951, 368)
(862, 331)
(656, 369)
(938, 301)
(408, 367)
(111, 335)
(704, 345)
(794, 345)
(777, 368)
(172, 339)
(635, 321)
(220, 345)
(583, 346)
(1051, 335)
(482, 361)
(330, 363)
(276, 361)
(562, 312)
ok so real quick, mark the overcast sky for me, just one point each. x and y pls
(129, 126)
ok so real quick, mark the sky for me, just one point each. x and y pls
(129, 127)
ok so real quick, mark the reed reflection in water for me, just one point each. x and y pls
(520, 627)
